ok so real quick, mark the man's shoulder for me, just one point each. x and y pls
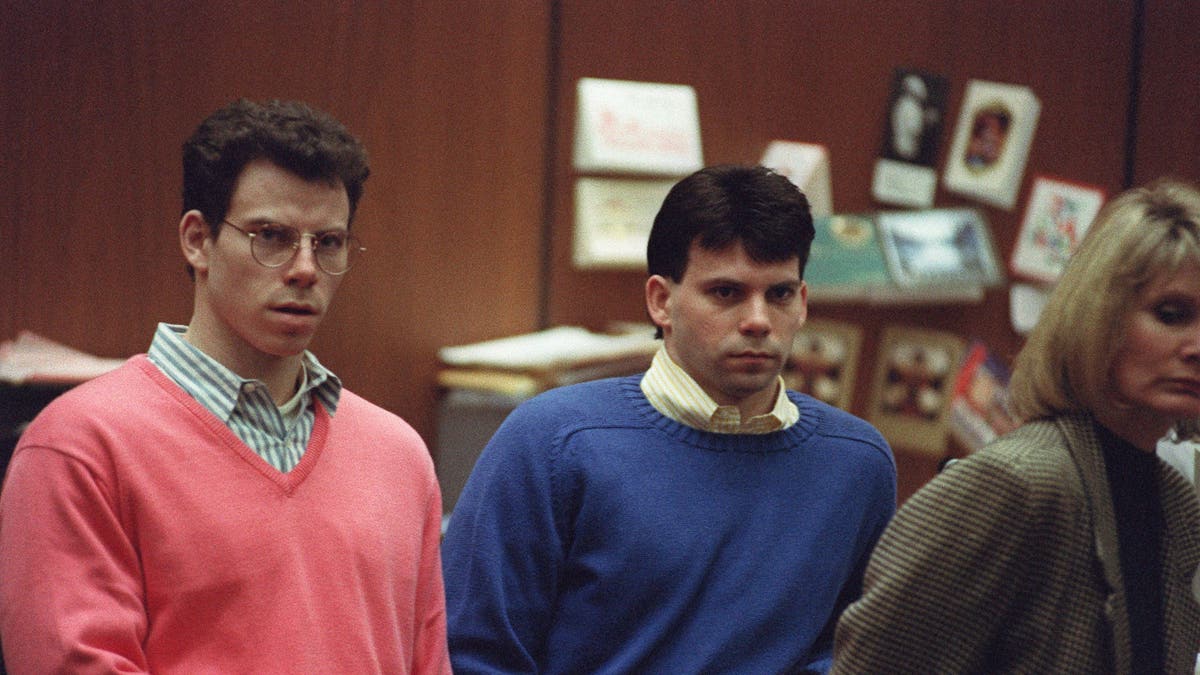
(584, 399)
(834, 423)
(562, 411)
(117, 393)
(364, 417)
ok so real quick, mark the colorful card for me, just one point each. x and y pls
(938, 247)
(1057, 216)
(824, 361)
(914, 379)
(979, 411)
(991, 142)
(846, 261)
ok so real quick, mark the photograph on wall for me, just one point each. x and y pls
(916, 109)
(991, 142)
(1057, 216)
(979, 410)
(824, 361)
(915, 112)
(938, 247)
(613, 219)
(914, 378)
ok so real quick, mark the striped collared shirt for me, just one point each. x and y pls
(677, 395)
(245, 405)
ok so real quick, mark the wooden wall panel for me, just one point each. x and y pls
(449, 98)
(1168, 124)
(819, 72)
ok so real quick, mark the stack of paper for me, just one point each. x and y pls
(522, 365)
(32, 358)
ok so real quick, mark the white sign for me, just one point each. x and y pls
(637, 127)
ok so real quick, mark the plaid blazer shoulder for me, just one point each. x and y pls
(1007, 562)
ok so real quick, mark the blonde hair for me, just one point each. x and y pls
(1139, 236)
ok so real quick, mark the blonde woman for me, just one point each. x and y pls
(1067, 545)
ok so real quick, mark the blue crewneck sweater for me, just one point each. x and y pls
(597, 535)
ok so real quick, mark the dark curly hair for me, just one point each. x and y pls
(292, 135)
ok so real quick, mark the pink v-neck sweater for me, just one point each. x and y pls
(138, 533)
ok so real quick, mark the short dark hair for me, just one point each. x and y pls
(290, 134)
(725, 204)
(720, 205)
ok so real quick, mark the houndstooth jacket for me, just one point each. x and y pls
(1007, 562)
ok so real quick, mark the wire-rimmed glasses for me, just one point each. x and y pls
(275, 244)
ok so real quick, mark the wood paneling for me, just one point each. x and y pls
(1168, 105)
(449, 99)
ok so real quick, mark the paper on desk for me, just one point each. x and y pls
(560, 347)
(31, 358)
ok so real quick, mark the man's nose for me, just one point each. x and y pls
(756, 319)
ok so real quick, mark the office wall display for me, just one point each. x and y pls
(938, 247)
(824, 361)
(1057, 216)
(806, 165)
(636, 127)
(613, 219)
(914, 379)
(991, 142)
(905, 172)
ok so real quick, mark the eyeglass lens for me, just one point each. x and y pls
(274, 245)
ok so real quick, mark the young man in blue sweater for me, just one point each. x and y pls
(697, 518)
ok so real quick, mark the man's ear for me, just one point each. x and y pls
(803, 292)
(658, 297)
(195, 240)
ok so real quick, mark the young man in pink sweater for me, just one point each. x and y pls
(221, 504)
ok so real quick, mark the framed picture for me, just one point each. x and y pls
(913, 383)
(613, 219)
(938, 247)
(1057, 216)
(824, 361)
(991, 142)
(915, 112)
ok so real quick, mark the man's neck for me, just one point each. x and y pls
(280, 374)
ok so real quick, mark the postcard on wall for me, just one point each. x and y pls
(1025, 305)
(916, 108)
(938, 247)
(913, 383)
(979, 410)
(991, 142)
(806, 165)
(636, 127)
(1057, 216)
(845, 261)
(824, 361)
(613, 219)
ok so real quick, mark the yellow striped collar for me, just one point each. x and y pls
(677, 395)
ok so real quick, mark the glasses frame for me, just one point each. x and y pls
(353, 247)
